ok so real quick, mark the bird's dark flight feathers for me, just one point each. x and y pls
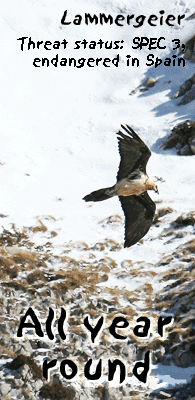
(139, 210)
(133, 151)
(139, 213)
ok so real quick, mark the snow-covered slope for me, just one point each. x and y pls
(58, 125)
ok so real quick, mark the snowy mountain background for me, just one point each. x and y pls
(58, 143)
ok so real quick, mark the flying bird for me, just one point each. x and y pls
(131, 187)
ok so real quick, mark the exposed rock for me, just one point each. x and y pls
(74, 281)
(182, 138)
(188, 87)
(185, 151)
(56, 391)
(192, 16)
(161, 213)
(188, 97)
(192, 143)
(190, 49)
(184, 220)
(179, 392)
(114, 220)
(21, 360)
(185, 87)
(145, 85)
(178, 299)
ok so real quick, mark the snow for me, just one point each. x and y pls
(58, 125)
(172, 375)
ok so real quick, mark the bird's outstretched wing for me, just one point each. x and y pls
(133, 151)
(139, 212)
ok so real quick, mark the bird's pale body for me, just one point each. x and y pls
(127, 187)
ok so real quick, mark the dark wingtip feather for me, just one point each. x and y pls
(86, 198)
(129, 130)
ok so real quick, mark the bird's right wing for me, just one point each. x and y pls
(133, 152)
(139, 213)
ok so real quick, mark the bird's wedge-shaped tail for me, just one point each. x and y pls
(101, 194)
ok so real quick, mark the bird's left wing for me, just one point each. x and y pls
(139, 213)
(133, 152)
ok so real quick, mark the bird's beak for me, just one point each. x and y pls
(156, 190)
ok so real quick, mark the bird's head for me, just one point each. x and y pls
(151, 185)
